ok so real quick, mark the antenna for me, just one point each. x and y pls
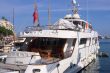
(75, 7)
(75, 10)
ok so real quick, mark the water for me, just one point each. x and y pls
(101, 65)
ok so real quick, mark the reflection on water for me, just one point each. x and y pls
(101, 65)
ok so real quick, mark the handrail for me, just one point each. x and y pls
(46, 60)
(88, 46)
(47, 27)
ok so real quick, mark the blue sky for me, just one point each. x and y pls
(96, 12)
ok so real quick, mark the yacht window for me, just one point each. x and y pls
(48, 47)
(70, 48)
(76, 22)
(96, 40)
(88, 42)
(83, 25)
(83, 41)
(93, 41)
(74, 42)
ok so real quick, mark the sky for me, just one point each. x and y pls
(97, 12)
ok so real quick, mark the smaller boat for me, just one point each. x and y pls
(17, 44)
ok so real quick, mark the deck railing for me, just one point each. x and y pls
(42, 60)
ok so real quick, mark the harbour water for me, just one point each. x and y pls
(102, 64)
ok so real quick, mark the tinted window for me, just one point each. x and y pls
(74, 42)
(83, 41)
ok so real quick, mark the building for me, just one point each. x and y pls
(6, 24)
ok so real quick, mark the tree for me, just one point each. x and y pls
(5, 32)
(9, 32)
(4, 18)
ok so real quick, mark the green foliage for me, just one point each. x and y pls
(10, 32)
(5, 32)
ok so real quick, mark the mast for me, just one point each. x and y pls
(49, 15)
(14, 25)
(13, 18)
(75, 9)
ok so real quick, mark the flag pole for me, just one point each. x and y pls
(36, 15)
(49, 15)
(75, 9)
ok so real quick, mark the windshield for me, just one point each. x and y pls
(46, 43)
(44, 46)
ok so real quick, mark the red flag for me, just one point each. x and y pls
(35, 14)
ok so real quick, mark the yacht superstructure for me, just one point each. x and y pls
(65, 47)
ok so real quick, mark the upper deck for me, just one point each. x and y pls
(68, 27)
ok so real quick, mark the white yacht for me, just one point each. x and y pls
(67, 46)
